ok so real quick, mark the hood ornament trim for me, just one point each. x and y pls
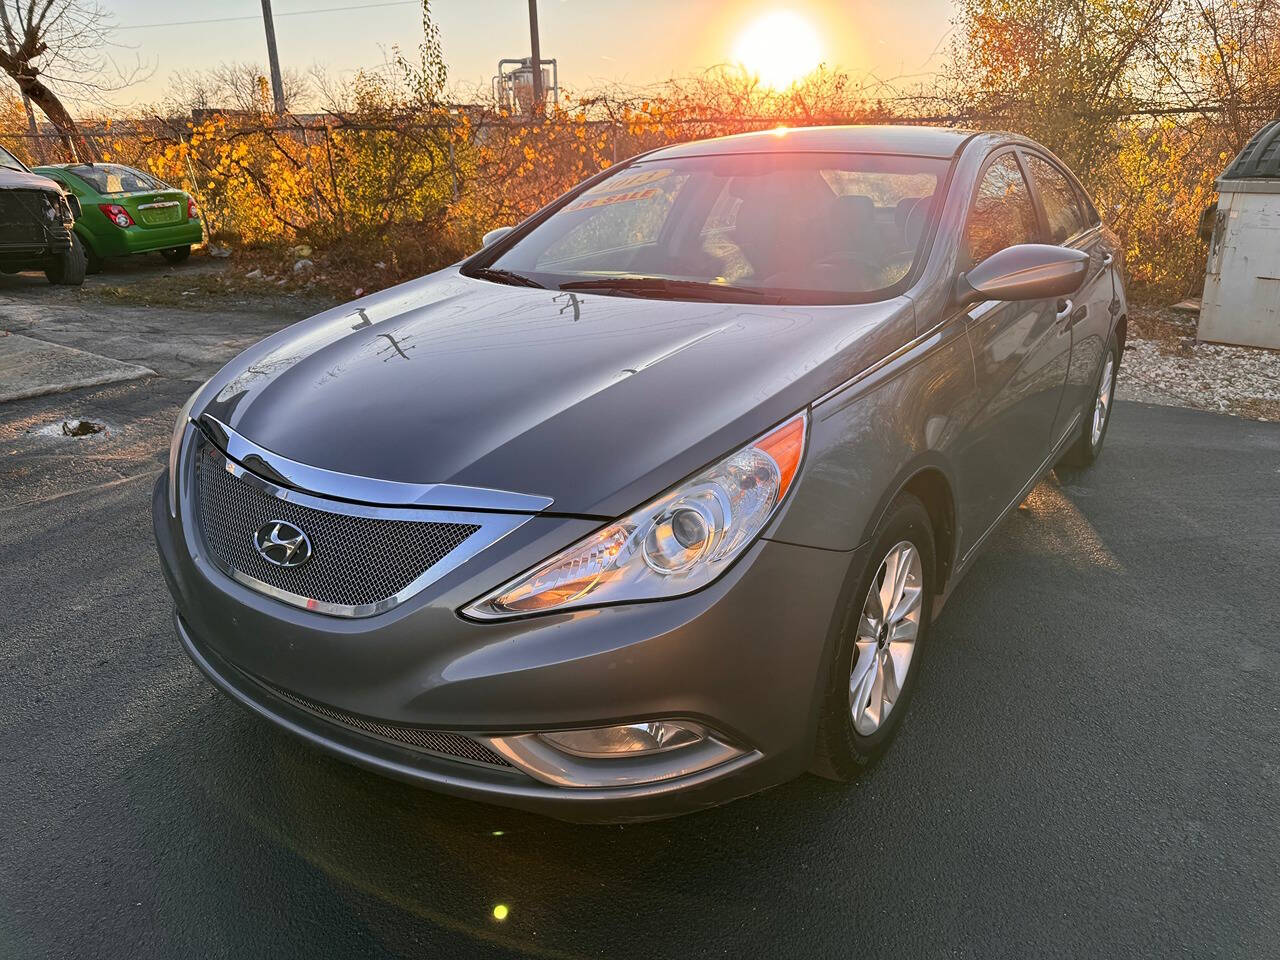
(345, 486)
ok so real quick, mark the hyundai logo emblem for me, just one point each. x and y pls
(283, 544)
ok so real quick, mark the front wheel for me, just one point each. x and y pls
(877, 660)
(1093, 431)
(177, 254)
(67, 268)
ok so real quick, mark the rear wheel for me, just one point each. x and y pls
(67, 269)
(1093, 431)
(93, 262)
(177, 254)
(877, 661)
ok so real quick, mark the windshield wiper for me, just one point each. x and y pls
(505, 276)
(673, 289)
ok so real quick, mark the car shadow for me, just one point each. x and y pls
(114, 271)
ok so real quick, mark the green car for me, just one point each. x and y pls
(127, 211)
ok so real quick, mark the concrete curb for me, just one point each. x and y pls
(33, 368)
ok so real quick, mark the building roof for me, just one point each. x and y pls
(1260, 158)
(915, 141)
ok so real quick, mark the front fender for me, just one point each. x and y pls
(872, 435)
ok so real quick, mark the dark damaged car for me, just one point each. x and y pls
(37, 221)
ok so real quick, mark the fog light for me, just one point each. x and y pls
(631, 739)
(617, 756)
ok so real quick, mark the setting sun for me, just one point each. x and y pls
(779, 48)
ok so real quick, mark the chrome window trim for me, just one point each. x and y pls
(369, 490)
(493, 527)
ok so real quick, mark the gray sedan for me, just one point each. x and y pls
(650, 503)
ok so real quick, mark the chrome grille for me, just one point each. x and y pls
(358, 562)
(454, 745)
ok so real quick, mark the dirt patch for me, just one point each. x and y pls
(201, 283)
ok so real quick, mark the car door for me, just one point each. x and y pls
(1021, 351)
(1071, 222)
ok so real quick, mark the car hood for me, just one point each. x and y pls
(21, 180)
(596, 402)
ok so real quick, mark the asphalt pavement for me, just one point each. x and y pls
(1091, 765)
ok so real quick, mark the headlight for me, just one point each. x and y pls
(175, 447)
(674, 545)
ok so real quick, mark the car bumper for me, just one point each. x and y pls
(112, 241)
(745, 656)
(54, 243)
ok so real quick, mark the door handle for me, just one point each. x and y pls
(1068, 311)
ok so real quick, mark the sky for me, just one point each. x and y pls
(597, 42)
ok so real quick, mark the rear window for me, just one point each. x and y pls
(109, 178)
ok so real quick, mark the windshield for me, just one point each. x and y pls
(108, 178)
(8, 160)
(793, 228)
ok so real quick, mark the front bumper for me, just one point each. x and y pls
(744, 656)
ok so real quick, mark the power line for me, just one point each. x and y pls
(287, 13)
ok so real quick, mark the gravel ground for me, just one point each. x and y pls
(1164, 364)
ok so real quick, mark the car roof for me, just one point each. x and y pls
(942, 142)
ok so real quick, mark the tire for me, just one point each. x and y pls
(93, 262)
(176, 254)
(67, 269)
(847, 744)
(1088, 445)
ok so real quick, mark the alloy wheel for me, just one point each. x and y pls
(885, 642)
(1102, 407)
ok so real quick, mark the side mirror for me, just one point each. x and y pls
(74, 202)
(1027, 271)
(494, 235)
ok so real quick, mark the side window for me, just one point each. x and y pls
(1091, 218)
(1061, 206)
(1002, 213)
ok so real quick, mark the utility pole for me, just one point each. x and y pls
(536, 51)
(277, 88)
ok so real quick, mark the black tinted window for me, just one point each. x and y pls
(1061, 206)
(1002, 214)
(9, 161)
